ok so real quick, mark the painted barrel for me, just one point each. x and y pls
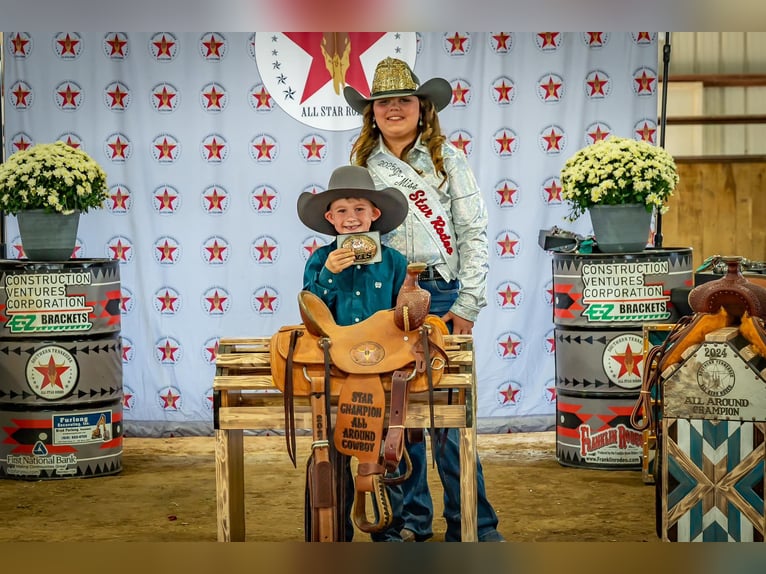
(601, 302)
(60, 369)
(610, 289)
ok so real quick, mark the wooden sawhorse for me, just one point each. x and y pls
(245, 398)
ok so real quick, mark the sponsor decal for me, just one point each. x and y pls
(550, 191)
(644, 81)
(462, 93)
(509, 295)
(597, 131)
(213, 97)
(313, 148)
(71, 139)
(215, 250)
(19, 44)
(67, 45)
(550, 88)
(509, 394)
(645, 130)
(128, 398)
(263, 148)
(213, 46)
(500, 42)
(117, 96)
(128, 350)
(265, 250)
(19, 142)
(214, 149)
(644, 38)
(210, 350)
(507, 244)
(506, 193)
(127, 301)
(170, 399)
(119, 200)
(118, 147)
(548, 41)
(264, 199)
(462, 140)
(505, 142)
(549, 342)
(163, 47)
(552, 140)
(549, 392)
(52, 372)
(260, 99)
(265, 300)
(165, 98)
(623, 360)
(509, 345)
(502, 90)
(166, 149)
(595, 39)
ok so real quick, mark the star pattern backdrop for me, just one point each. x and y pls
(208, 139)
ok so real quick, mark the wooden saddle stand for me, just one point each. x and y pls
(399, 350)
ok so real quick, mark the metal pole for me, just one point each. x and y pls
(663, 121)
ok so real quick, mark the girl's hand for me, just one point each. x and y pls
(339, 260)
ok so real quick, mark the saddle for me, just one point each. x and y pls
(731, 301)
(357, 364)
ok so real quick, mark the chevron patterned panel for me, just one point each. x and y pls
(712, 481)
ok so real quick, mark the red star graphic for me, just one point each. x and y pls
(124, 303)
(263, 98)
(212, 46)
(629, 362)
(508, 245)
(213, 351)
(68, 44)
(509, 346)
(501, 40)
(549, 292)
(68, 96)
(19, 44)
(595, 39)
(503, 92)
(216, 302)
(506, 194)
(553, 191)
(116, 45)
(461, 143)
(167, 251)
(265, 251)
(119, 199)
(597, 135)
(168, 351)
(548, 38)
(168, 301)
(164, 98)
(118, 148)
(314, 148)
(597, 86)
(125, 350)
(551, 344)
(646, 36)
(646, 132)
(21, 95)
(166, 199)
(553, 140)
(216, 251)
(319, 75)
(119, 250)
(21, 144)
(71, 143)
(118, 97)
(163, 46)
(264, 199)
(551, 88)
(126, 399)
(51, 373)
(266, 301)
(458, 93)
(313, 247)
(170, 400)
(509, 395)
(264, 148)
(505, 143)
(213, 98)
(214, 200)
(457, 43)
(214, 149)
(551, 393)
(644, 82)
(509, 296)
(165, 149)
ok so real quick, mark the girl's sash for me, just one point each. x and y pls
(423, 203)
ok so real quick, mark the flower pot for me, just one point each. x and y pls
(620, 228)
(48, 236)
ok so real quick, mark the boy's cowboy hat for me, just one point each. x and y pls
(395, 78)
(352, 181)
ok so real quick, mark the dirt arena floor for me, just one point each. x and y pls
(166, 493)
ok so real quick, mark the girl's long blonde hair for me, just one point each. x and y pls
(429, 132)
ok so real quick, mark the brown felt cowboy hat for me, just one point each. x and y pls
(395, 78)
(352, 181)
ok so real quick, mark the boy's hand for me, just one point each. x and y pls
(339, 260)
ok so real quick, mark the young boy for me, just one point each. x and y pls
(352, 290)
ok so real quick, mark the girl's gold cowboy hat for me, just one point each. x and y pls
(395, 78)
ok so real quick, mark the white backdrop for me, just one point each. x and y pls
(208, 139)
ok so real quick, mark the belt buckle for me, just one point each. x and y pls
(428, 274)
